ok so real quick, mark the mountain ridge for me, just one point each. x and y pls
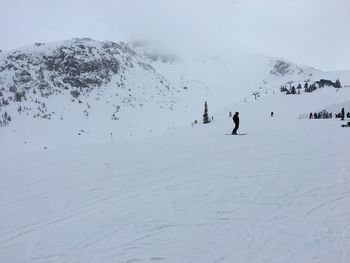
(77, 67)
(83, 79)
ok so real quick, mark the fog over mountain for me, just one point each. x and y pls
(313, 32)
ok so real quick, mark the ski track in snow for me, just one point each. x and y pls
(190, 195)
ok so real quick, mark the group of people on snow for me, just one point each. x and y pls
(321, 115)
(326, 115)
(342, 114)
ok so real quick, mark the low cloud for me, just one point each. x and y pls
(313, 32)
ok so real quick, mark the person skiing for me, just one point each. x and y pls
(271, 113)
(236, 122)
(342, 114)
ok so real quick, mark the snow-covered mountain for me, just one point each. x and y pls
(227, 78)
(82, 90)
(77, 186)
(80, 75)
(79, 71)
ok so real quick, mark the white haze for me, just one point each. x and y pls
(312, 32)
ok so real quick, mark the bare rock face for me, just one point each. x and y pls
(75, 68)
(79, 63)
(282, 68)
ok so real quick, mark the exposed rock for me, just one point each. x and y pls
(78, 66)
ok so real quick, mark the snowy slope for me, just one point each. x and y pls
(79, 77)
(148, 186)
(279, 194)
(81, 91)
(226, 78)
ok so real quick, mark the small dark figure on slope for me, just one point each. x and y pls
(236, 122)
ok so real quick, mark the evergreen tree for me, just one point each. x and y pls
(19, 96)
(292, 90)
(337, 84)
(206, 118)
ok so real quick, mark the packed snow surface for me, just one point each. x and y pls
(281, 193)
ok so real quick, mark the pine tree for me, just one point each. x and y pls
(292, 90)
(337, 84)
(206, 118)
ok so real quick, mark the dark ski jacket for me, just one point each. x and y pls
(236, 118)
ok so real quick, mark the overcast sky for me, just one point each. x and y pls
(312, 32)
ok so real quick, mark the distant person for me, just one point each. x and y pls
(230, 114)
(236, 122)
(342, 114)
(271, 113)
(310, 116)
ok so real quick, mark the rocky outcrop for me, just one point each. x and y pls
(76, 68)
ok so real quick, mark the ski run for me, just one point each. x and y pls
(190, 194)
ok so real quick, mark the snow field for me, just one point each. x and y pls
(192, 194)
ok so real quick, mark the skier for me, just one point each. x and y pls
(236, 122)
(271, 113)
(342, 114)
(311, 116)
